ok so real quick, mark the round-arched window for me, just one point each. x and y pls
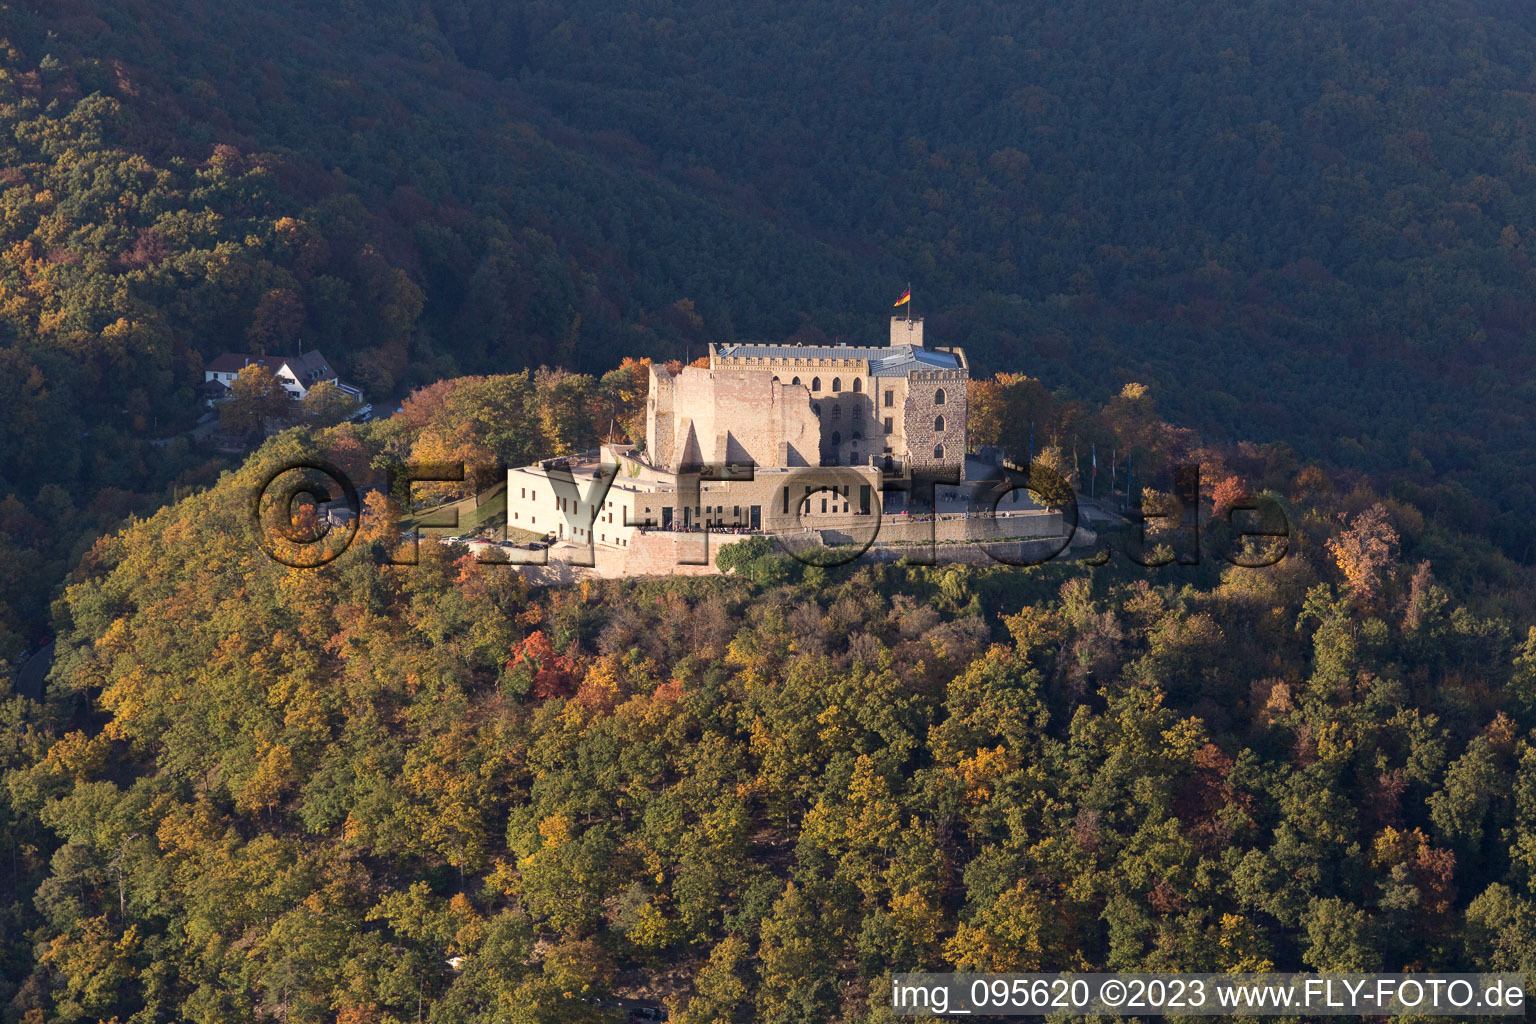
(837, 437)
(938, 424)
(795, 381)
(938, 397)
(815, 383)
(938, 451)
(858, 386)
(837, 384)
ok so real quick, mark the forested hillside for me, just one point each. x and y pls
(257, 792)
(1304, 223)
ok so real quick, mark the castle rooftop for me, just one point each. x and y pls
(895, 361)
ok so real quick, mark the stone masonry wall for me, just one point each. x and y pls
(731, 416)
(923, 410)
(896, 412)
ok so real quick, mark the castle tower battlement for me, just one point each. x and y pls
(777, 406)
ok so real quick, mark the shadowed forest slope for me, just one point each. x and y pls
(1307, 223)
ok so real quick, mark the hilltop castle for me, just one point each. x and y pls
(817, 433)
(781, 406)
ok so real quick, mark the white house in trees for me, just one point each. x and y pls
(297, 374)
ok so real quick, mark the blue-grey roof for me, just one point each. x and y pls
(895, 361)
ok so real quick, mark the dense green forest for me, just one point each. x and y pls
(1305, 223)
(252, 792)
(256, 792)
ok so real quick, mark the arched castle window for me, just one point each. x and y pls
(858, 386)
(837, 384)
(938, 397)
(837, 437)
(938, 424)
(858, 435)
(815, 383)
(795, 381)
(938, 451)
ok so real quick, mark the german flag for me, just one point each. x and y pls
(906, 296)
